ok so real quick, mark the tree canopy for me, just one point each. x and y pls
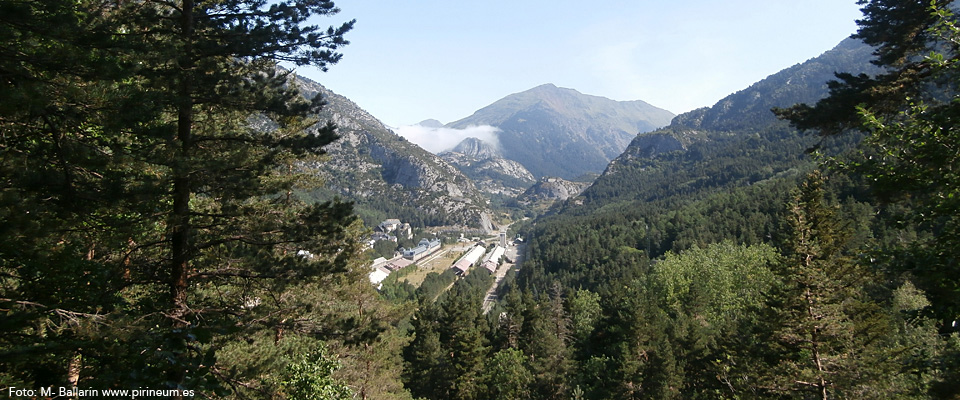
(910, 112)
(149, 150)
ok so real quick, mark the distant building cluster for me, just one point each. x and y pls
(390, 229)
(378, 236)
(423, 249)
(476, 255)
(395, 226)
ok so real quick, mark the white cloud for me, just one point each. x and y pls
(436, 140)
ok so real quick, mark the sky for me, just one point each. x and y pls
(408, 61)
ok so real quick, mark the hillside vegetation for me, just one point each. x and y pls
(730, 255)
(184, 218)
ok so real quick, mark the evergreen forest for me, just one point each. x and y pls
(161, 233)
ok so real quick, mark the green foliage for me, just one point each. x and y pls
(545, 336)
(148, 157)
(310, 377)
(424, 358)
(506, 376)
(833, 329)
(384, 248)
(716, 284)
(820, 296)
(909, 156)
(584, 314)
(913, 160)
(434, 284)
(445, 359)
(393, 289)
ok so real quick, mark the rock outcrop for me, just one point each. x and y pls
(386, 174)
(493, 174)
(550, 189)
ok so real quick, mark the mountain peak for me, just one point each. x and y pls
(477, 148)
(568, 102)
(549, 91)
(430, 123)
(555, 131)
(546, 86)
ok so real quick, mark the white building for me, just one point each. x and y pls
(389, 225)
(467, 261)
(378, 275)
(492, 259)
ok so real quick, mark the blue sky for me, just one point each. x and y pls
(418, 59)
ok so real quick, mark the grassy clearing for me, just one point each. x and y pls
(437, 264)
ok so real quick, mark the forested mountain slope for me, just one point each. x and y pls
(715, 173)
(719, 258)
(741, 123)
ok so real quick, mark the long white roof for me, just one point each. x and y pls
(495, 254)
(470, 258)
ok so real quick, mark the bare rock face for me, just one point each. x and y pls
(477, 149)
(383, 172)
(483, 163)
(552, 189)
(505, 167)
(649, 146)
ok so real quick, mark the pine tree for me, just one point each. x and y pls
(816, 332)
(463, 335)
(159, 171)
(424, 357)
(59, 192)
(832, 338)
(549, 344)
(506, 376)
(909, 111)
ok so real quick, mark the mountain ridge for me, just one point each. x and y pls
(749, 109)
(388, 176)
(555, 131)
(720, 173)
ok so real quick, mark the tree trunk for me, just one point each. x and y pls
(73, 370)
(182, 188)
(180, 219)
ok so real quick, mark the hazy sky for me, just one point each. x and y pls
(442, 59)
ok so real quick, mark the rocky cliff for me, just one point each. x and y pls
(550, 189)
(387, 176)
(493, 174)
